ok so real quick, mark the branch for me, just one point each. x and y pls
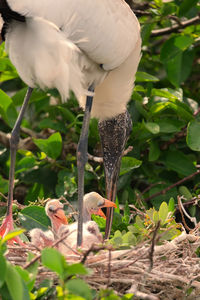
(164, 191)
(176, 27)
(153, 241)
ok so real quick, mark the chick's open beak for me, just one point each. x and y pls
(107, 203)
(60, 215)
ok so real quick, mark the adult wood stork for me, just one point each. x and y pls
(91, 47)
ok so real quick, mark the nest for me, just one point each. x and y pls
(169, 271)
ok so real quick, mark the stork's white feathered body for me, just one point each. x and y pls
(71, 39)
(91, 47)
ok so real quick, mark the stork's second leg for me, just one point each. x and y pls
(82, 158)
(7, 224)
(114, 134)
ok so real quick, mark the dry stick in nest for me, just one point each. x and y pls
(151, 252)
(94, 248)
(53, 245)
(183, 211)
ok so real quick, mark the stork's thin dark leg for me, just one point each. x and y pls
(7, 224)
(114, 134)
(82, 158)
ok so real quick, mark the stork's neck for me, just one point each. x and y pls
(8, 15)
(86, 215)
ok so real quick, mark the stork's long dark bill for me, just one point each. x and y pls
(114, 134)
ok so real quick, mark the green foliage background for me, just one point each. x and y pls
(164, 108)
(166, 123)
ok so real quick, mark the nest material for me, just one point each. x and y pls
(171, 271)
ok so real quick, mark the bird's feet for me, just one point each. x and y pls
(6, 227)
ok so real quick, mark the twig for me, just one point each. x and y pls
(93, 248)
(138, 211)
(68, 203)
(109, 268)
(39, 255)
(164, 191)
(151, 251)
(176, 27)
(99, 159)
(141, 295)
(182, 210)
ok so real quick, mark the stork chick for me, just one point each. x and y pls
(54, 210)
(92, 204)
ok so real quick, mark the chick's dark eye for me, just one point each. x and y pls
(100, 203)
(51, 208)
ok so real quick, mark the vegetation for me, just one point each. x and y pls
(162, 161)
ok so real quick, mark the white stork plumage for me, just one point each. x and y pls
(91, 47)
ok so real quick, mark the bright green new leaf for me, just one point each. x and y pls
(156, 216)
(193, 136)
(171, 205)
(163, 212)
(51, 146)
(12, 234)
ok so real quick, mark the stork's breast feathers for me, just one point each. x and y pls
(44, 57)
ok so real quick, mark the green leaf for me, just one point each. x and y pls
(178, 58)
(163, 212)
(79, 287)
(34, 217)
(152, 127)
(145, 77)
(129, 239)
(193, 136)
(156, 216)
(154, 151)
(3, 268)
(27, 277)
(51, 146)
(179, 162)
(14, 283)
(24, 164)
(12, 234)
(128, 164)
(169, 125)
(171, 204)
(183, 190)
(186, 6)
(53, 260)
(75, 269)
(7, 109)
